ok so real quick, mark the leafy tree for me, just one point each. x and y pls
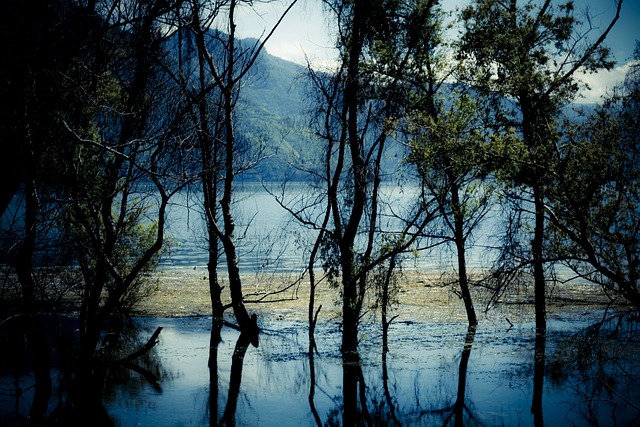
(96, 162)
(359, 104)
(523, 59)
(595, 210)
(448, 150)
(38, 70)
(122, 166)
(96, 150)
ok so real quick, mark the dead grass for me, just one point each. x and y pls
(419, 297)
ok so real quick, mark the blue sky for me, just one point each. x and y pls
(305, 31)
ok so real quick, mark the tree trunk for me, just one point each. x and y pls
(228, 239)
(209, 152)
(349, 306)
(384, 302)
(538, 261)
(24, 258)
(351, 98)
(235, 284)
(460, 240)
(464, 284)
(532, 130)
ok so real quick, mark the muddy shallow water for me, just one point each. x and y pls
(428, 376)
(417, 385)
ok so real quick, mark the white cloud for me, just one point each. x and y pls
(303, 34)
(601, 83)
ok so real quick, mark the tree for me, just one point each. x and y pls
(595, 210)
(448, 149)
(210, 83)
(91, 149)
(94, 152)
(121, 167)
(359, 103)
(523, 58)
(40, 52)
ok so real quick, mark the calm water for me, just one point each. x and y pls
(270, 241)
(590, 378)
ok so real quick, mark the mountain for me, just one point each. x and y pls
(276, 105)
(274, 110)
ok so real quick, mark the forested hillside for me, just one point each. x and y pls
(274, 108)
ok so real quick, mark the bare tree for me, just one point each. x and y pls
(210, 81)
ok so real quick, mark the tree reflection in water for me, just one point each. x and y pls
(425, 378)
(599, 364)
(237, 362)
(81, 387)
(459, 407)
(214, 343)
(312, 384)
(538, 377)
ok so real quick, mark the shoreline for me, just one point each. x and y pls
(184, 292)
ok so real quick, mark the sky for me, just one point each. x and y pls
(305, 33)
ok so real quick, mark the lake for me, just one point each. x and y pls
(270, 240)
(591, 377)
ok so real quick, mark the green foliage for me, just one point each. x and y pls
(452, 140)
(525, 48)
(452, 153)
(596, 204)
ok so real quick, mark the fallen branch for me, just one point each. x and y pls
(145, 348)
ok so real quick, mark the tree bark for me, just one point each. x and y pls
(350, 301)
(460, 240)
(538, 261)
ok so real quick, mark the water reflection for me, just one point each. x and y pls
(312, 384)
(237, 362)
(354, 397)
(214, 342)
(441, 374)
(68, 389)
(538, 377)
(599, 364)
(459, 407)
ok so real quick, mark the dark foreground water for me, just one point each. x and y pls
(591, 376)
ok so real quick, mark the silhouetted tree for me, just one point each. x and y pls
(359, 104)
(595, 210)
(213, 64)
(523, 58)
